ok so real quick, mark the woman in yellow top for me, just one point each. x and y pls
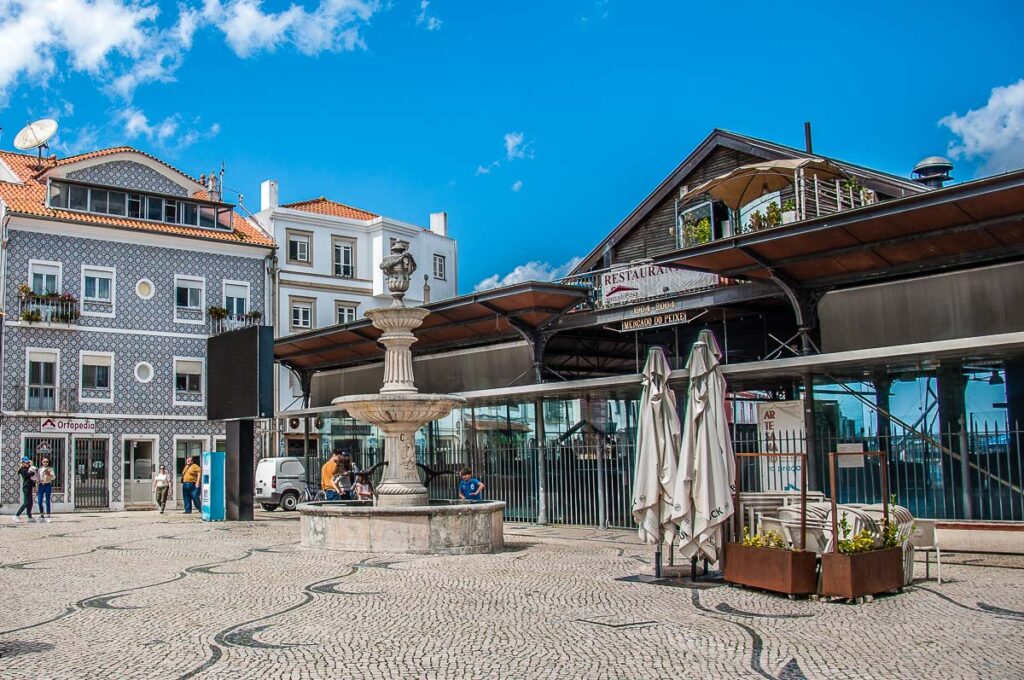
(190, 485)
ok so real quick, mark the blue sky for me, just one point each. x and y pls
(537, 125)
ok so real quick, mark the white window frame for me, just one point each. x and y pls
(87, 268)
(311, 303)
(202, 381)
(343, 242)
(298, 235)
(345, 304)
(248, 293)
(82, 354)
(48, 263)
(438, 257)
(201, 280)
(56, 375)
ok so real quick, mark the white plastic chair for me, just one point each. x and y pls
(924, 538)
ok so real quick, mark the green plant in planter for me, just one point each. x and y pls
(772, 215)
(851, 184)
(217, 312)
(695, 233)
(25, 290)
(756, 221)
(764, 539)
(860, 542)
(31, 315)
(789, 205)
(254, 315)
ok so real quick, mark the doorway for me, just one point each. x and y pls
(138, 471)
(91, 460)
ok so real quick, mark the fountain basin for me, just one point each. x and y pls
(395, 409)
(440, 528)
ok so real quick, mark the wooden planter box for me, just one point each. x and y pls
(868, 573)
(793, 572)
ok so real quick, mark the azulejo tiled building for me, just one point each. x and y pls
(116, 268)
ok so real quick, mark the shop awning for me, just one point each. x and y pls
(463, 321)
(979, 221)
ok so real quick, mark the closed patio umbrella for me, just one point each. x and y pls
(657, 446)
(706, 478)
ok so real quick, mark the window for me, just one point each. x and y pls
(236, 298)
(302, 314)
(344, 257)
(154, 208)
(116, 203)
(439, 267)
(299, 247)
(135, 202)
(143, 372)
(188, 293)
(144, 289)
(41, 380)
(346, 311)
(189, 213)
(97, 201)
(171, 212)
(98, 285)
(96, 379)
(78, 197)
(188, 377)
(44, 277)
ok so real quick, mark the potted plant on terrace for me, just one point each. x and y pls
(859, 565)
(765, 561)
(254, 315)
(217, 313)
(788, 211)
(696, 232)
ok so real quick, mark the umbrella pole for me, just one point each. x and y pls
(657, 552)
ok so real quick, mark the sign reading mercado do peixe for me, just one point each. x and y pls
(639, 283)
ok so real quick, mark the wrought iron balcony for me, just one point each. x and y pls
(233, 322)
(49, 399)
(51, 308)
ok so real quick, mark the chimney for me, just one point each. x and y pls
(268, 195)
(439, 223)
(213, 187)
(933, 171)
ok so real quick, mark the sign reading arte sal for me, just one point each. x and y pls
(642, 282)
(67, 425)
(780, 427)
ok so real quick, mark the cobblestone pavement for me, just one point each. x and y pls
(140, 595)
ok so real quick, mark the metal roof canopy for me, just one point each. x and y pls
(981, 220)
(456, 322)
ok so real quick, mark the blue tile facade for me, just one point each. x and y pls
(142, 330)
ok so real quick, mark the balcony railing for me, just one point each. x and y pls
(48, 398)
(49, 309)
(233, 322)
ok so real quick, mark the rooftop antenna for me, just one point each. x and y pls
(35, 135)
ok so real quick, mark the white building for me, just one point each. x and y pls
(329, 257)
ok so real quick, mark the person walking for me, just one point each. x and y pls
(189, 485)
(162, 487)
(28, 482)
(44, 489)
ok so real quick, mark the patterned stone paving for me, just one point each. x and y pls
(140, 595)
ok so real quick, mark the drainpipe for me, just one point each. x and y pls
(274, 437)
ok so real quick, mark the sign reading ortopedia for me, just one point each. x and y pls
(67, 425)
(633, 284)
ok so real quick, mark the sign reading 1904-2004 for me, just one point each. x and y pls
(628, 285)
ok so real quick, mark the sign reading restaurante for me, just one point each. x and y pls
(641, 282)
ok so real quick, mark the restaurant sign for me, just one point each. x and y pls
(68, 425)
(642, 282)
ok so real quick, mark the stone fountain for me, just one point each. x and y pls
(402, 519)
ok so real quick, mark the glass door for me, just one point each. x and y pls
(138, 472)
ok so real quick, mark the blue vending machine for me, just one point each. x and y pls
(213, 486)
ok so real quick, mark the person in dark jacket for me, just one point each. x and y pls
(28, 483)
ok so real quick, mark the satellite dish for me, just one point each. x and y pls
(36, 135)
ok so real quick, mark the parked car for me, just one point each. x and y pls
(279, 482)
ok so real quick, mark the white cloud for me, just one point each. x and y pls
(431, 23)
(486, 169)
(169, 133)
(994, 132)
(38, 36)
(517, 185)
(517, 147)
(531, 271)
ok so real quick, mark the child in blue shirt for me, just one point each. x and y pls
(470, 488)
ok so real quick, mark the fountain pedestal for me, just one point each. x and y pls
(403, 518)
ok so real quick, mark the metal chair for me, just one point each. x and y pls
(924, 538)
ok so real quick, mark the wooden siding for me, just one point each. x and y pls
(655, 235)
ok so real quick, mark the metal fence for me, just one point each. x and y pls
(974, 474)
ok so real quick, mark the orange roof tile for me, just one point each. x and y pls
(29, 198)
(324, 206)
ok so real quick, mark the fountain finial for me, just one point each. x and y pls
(398, 268)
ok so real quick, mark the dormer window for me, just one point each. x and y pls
(136, 206)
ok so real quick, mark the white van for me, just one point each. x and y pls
(279, 482)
